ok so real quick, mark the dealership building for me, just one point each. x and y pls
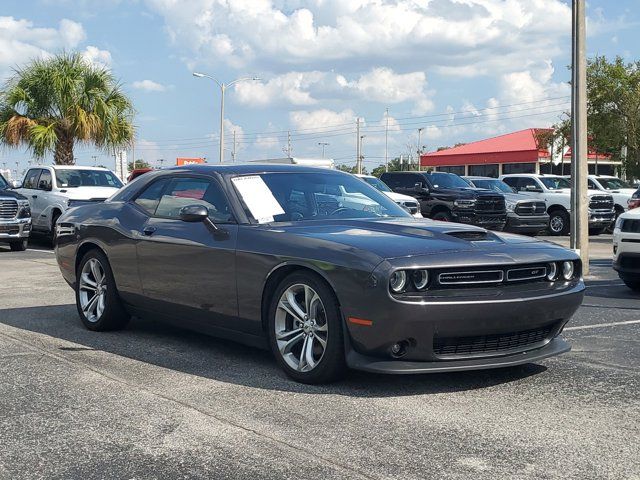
(516, 152)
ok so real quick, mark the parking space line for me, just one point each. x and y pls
(38, 250)
(602, 325)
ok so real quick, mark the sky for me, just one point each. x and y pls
(459, 70)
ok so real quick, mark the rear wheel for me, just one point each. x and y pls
(305, 329)
(558, 222)
(20, 246)
(632, 284)
(443, 216)
(97, 299)
(52, 234)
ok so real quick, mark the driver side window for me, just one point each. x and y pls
(182, 192)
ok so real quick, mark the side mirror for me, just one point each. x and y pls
(420, 188)
(194, 213)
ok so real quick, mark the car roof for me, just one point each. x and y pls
(471, 177)
(72, 167)
(249, 168)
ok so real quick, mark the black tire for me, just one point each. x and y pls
(52, 234)
(114, 315)
(19, 246)
(443, 216)
(597, 231)
(559, 223)
(331, 365)
(632, 284)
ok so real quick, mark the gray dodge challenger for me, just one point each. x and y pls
(318, 266)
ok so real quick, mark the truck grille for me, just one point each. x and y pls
(482, 344)
(530, 208)
(9, 229)
(490, 204)
(483, 277)
(8, 209)
(412, 207)
(601, 202)
(631, 226)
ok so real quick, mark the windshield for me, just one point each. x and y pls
(495, 185)
(377, 183)
(3, 183)
(613, 183)
(446, 180)
(86, 178)
(555, 183)
(292, 197)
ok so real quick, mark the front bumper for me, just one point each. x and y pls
(521, 223)
(15, 229)
(599, 218)
(487, 220)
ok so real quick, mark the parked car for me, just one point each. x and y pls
(524, 214)
(620, 190)
(136, 172)
(447, 197)
(634, 201)
(556, 192)
(626, 248)
(15, 217)
(53, 189)
(245, 252)
(410, 204)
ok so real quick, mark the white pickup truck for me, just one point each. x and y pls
(52, 189)
(555, 190)
(620, 190)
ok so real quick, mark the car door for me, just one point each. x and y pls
(187, 269)
(44, 199)
(30, 190)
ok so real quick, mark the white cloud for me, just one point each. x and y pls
(305, 120)
(71, 32)
(148, 86)
(94, 55)
(292, 88)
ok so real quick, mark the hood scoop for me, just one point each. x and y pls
(469, 235)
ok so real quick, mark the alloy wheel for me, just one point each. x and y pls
(92, 290)
(556, 224)
(301, 327)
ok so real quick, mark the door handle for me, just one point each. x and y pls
(34, 196)
(148, 231)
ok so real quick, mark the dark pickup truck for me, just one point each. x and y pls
(447, 197)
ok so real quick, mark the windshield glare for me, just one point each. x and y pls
(495, 185)
(613, 183)
(325, 196)
(377, 183)
(86, 178)
(446, 180)
(555, 183)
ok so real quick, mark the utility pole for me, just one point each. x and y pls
(94, 160)
(361, 157)
(419, 146)
(233, 152)
(386, 140)
(579, 240)
(161, 160)
(323, 144)
(289, 144)
(358, 145)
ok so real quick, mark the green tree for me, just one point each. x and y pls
(350, 169)
(51, 104)
(138, 164)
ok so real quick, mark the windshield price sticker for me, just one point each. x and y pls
(258, 198)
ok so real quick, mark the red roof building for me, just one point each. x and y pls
(516, 152)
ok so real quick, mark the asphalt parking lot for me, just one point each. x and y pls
(154, 401)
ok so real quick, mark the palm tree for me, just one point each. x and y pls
(53, 103)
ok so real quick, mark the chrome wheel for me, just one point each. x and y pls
(556, 224)
(92, 290)
(301, 327)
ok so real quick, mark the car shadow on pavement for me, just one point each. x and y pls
(193, 353)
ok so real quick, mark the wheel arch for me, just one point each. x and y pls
(555, 207)
(439, 208)
(84, 248)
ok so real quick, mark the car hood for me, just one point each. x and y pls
(398, 197)
(89, 193)
(403, 237)
(11, 194)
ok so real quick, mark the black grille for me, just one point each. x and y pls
(530, 208)
(469, 235)
(631, 226)
(490, 204)
(601, 202)
(477, 277)
(10, 229)
(8, 208)
(464, 346)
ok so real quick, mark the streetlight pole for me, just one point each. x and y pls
(223, 89)
(323, 144)
(386, 140)
(361, 158)
(419, 152)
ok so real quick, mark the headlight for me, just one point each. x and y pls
(24, 210)
(398, 281)
(552, 271)
(618, 225)
(511, 206)
(420, 279)
(465, 203)
(567, 270)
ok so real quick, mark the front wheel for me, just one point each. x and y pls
(559, 223)
(443, 217)
(305, 329)
(19, 246)
(632, 284)
(97, 299)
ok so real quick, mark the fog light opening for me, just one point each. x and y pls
(399, 349)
